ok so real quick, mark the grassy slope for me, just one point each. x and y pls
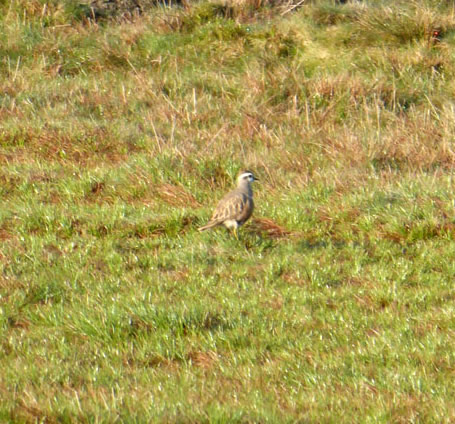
(336, 305)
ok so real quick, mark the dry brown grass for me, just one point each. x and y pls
(175, 196)
(54, 145)
(205, 360)
(268, 227)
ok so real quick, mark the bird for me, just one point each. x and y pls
(236, 207)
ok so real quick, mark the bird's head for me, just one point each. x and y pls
(246, 177)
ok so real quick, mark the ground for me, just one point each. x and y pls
(117, 138)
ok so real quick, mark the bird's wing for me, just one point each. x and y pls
(230, 207)
(247, 210)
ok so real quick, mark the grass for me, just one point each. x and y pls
(117, 138)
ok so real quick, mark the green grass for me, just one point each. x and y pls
(118, 137)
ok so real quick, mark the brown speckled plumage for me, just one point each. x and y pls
(236, 207)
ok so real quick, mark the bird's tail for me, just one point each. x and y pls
(211, 224)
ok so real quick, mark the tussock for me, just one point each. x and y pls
(270, 228)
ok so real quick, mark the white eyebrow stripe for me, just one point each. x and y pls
(246, 174)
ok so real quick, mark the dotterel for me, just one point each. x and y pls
(236, 207)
